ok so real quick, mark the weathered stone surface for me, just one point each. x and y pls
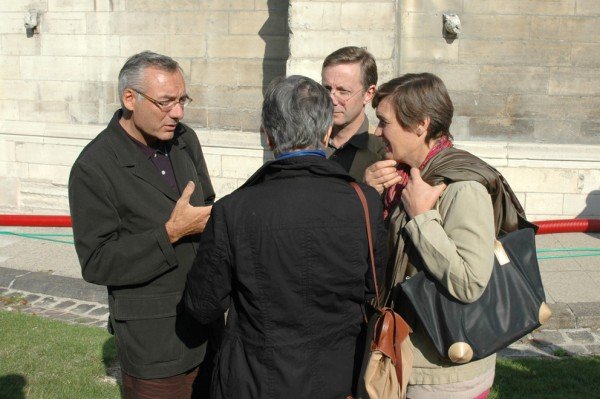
(513, 79)
(590, 129)
(576, 350)
(101, 311)
(82, 309)
(315, 16)
(584, 205)
(430, 50)
(64, 305)
(548, 336)
(502, 128)
(588, 314)
(534, 7)
(531, 53)
(520, 70)
(562, 317)
(32, 298)
(580, 336)
(19, 44)
(8, 275)
(47, 302)
(499, 27)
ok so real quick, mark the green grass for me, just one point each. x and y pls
(564, 378)
(46, 359)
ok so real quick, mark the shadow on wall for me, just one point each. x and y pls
(592, 208)
(12, 386)
(276, 35)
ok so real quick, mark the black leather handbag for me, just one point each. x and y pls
(512, 305)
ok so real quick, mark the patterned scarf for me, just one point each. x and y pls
(393, 194)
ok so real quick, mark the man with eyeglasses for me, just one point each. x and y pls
(140, 195)
(350, 75)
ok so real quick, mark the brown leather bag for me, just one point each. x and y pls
(388, 358)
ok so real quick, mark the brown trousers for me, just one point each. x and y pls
(182, 386)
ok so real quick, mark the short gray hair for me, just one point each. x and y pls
(296, 114)
(131, 75)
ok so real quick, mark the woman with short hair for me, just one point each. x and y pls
(444, 212)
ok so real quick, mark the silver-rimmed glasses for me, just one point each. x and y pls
(167, 105)
(342, 96)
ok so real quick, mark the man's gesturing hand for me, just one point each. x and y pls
(185, 218)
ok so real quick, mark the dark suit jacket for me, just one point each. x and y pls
(370, 149)
(119, 204)
(364, 148)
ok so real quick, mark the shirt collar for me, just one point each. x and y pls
(297, 166)
(161, 147)
(360, 139)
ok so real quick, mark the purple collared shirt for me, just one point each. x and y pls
(160, 158)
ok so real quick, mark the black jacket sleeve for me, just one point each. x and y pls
(208, 288)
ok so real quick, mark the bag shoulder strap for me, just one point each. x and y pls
(365, 206)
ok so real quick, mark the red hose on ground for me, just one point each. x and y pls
(35, 220)
(545, 226)
(568, 226)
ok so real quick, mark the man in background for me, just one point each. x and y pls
(350, 76)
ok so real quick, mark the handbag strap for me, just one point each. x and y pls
(363, 201)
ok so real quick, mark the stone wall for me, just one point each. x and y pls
(58, 87)
(520, 70)
(66, 72)
(523, 75)
(552, 181)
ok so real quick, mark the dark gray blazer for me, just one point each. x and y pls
(119, 204)
(368, 150)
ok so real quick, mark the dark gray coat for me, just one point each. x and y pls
(119, 204)
(287, 253)
(370, 149)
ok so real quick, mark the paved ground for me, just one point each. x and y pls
(43, 277)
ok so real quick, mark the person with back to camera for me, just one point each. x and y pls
(443, 215)
(287, 254)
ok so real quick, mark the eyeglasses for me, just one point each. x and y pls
(343, 96)
(166, 106)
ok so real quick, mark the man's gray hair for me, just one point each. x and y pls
(296, 114)
(131, 75)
